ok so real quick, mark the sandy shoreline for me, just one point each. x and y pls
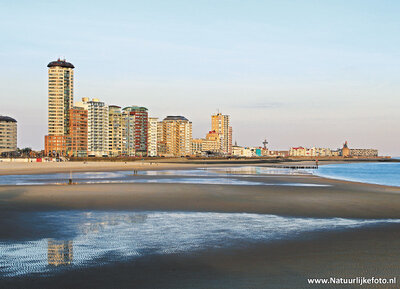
(15, 168)
(66, 167)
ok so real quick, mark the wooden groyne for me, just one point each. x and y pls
(294, 167)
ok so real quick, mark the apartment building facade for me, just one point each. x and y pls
(363, 152)
(136, 130)
(8, 134)
(77, 141)
(152, 134)
(116, 130)
(60, 101)
(221, 124)
(176, 136)
(98, 126)
(310, 152)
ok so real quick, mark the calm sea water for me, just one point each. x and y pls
(374, 173)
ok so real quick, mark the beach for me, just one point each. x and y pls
(287, 263)
(336, 199)
(8, 168)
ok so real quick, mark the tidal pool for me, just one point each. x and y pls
(66, 240)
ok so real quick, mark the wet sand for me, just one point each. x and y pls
(336, 199)
(368, 252)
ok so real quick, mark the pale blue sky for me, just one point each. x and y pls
(312, 73)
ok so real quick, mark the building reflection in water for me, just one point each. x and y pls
(59, 252)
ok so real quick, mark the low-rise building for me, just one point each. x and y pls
(310, 152)
(245, 152)
(212, 144)
(298, 152)
(197, 146)
(336, 153)
(327, 152)
(363, 152)
(56, 145)
(348, 152)
(283, 153)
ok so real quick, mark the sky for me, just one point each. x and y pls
(298, 73)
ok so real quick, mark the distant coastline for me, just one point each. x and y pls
(235, 161)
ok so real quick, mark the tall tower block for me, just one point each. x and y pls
(220, 124)
(61, 96)
(60, 101)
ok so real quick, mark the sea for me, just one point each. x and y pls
(381, 173)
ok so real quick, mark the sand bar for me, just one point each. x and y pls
(337, 199)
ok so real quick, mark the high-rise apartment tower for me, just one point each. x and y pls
(61, 96)
(136, 129)
(116, 130)
(152, 137)
(98, 126)
(60, 101)
(220, 124)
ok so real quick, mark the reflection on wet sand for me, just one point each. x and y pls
(248, 171)
(59, 252)
(94, 225)
(222, 175)
(95, 238)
